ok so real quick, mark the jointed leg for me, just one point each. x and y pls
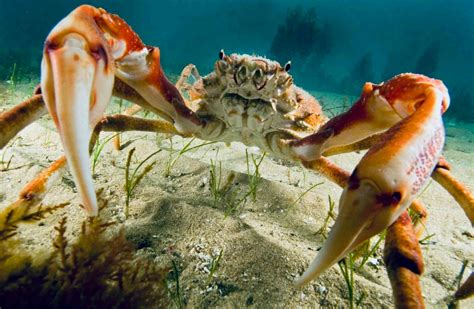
(461, 194)
(33, 193)
(20, 116)
(123, 123)
(182, 83)
(14, 120)
(329, 170)
(403, 259)
(124, 91)
(128, 112)
(35, 190)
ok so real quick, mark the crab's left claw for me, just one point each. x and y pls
(77, 78)
(393, 171)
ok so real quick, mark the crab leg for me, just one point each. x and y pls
(14, 120)
(36, 189)
(402, 255)
(188, 70)
(461, 194)
(390, 175)
(123, 123)
(20, 116)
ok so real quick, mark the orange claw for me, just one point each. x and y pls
(82, 56)
(393, 171)
(77, 76)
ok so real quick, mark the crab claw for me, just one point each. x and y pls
(77, 77)
(83, 55)
(393, 171)
(364, 211)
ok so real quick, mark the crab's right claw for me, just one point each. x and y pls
(77, 77)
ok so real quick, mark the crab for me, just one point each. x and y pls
(91, 55)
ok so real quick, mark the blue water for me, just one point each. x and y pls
(334, 45)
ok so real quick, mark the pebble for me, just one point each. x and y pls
(216, 252)
(321, 289)
(373, 261)
(121, 217)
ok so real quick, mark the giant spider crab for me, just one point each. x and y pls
(91, 55)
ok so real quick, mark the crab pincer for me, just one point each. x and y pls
(82, 56)
(393, 171)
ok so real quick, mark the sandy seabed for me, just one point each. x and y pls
(264, 244)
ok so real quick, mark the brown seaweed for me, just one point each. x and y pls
(99, 268)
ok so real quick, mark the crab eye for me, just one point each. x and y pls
(241, 75)
(221, 54)
(259, 79)
(287, 66)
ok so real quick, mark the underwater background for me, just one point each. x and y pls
(190, 223)
(334, 46)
